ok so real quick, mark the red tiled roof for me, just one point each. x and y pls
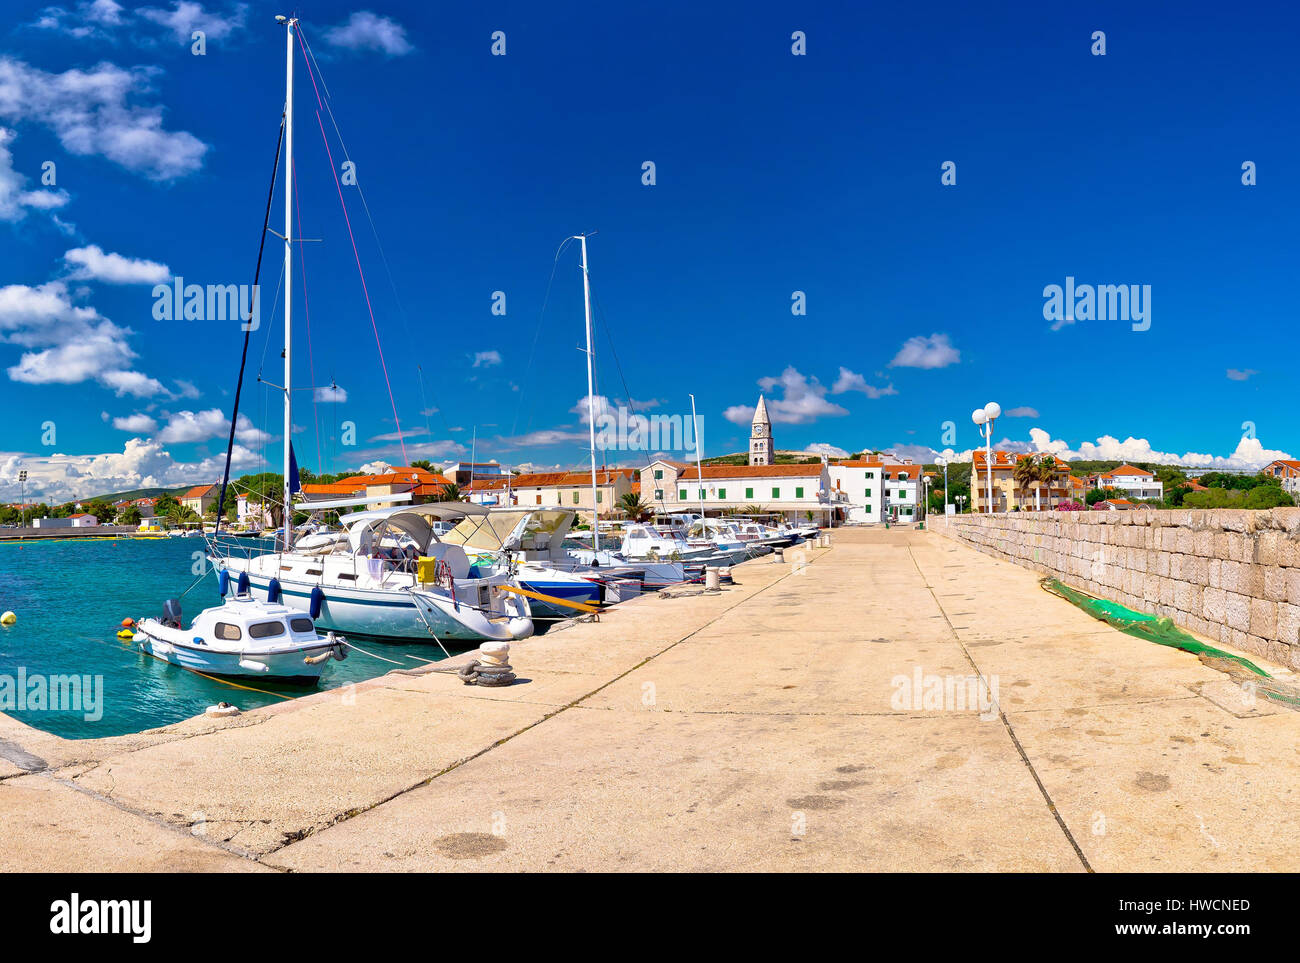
(198, 491)
(1008, 459)
(753, 471)
(858, 463)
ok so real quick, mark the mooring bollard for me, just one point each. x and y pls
(779, 555)
(724, 575)
(492, 667)
(711, 580)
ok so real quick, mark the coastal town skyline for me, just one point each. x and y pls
(873, 297)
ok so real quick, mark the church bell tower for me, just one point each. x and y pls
(760, 437)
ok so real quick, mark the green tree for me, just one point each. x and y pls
(130, 516)
(1101, 494)
(635, 508)
(451, 493)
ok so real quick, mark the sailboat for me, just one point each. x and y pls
(392, 576)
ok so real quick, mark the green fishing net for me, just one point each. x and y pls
(1162, 631)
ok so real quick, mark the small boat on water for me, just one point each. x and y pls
(242, 638)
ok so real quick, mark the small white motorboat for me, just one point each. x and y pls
(242, 638)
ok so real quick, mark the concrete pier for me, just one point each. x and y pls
(810, 717)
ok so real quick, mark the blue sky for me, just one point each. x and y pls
(775, 173)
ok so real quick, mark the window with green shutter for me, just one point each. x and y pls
(722, 493)
(682, 495)
(701, 494)
(659, 473)
(659, 494)
(868, 492)
(776, 493)
(798, 493)
(599, 496)
(575, 498)
(749, 493)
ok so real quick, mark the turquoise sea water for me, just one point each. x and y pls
(70, 596)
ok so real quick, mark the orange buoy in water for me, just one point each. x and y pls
(128, 623)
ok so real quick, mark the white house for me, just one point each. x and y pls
(903, 492)
(859, 483)
(80, 520)
(1136, 483)
(791, 490)
(1287, 472)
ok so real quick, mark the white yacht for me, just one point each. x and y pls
(392, 577)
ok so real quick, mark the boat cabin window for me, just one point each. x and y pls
(301, 624)
(227, 631)
(265, 630)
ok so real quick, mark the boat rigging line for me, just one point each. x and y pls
(243, 356)
(355, 253)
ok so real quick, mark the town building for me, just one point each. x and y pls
(420, 483)
(1007, 495)
(562, 489)
(200, 498)
(80, 520)
(859, 484)
(798, 492)
(1135, 483)
(1287, 472)
(462, 473)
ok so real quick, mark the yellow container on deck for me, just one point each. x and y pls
(426, 570)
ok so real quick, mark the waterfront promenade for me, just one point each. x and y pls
(755, 729)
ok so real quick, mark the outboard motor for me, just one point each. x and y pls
(172, 613)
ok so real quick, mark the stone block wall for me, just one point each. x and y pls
(1228, 575)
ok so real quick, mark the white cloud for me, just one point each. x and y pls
(546, 437)
(936, 351)
(1241, 374)
(70, 343)
(137, 424)
(486, 359)
(185, 17)
(186, 389)
(194, 426)
(804, 400)
(331, 395)
(831, 451)
(1250, 454)
(142, 463)
(89, 113)
(89, 20)
(91, 263)
(1022, 412)
(368, 31)
(851, 381)
(15, 200)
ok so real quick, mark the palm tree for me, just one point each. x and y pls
(635, 508)
(451, 493)
(1024, 475)
(1046, 473)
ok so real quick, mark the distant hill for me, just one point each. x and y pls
(134, 493)
(781, 458)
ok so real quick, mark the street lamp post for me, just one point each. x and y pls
(961, 506)
(984, 418)
(944, 462)
(22, 496)
(926, 513)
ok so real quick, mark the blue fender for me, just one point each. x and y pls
(223, 582)
(273, 591)
(241, 586)
(317, 597)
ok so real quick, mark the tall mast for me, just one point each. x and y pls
(591, 399)
(695, 427)
(288, 273)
